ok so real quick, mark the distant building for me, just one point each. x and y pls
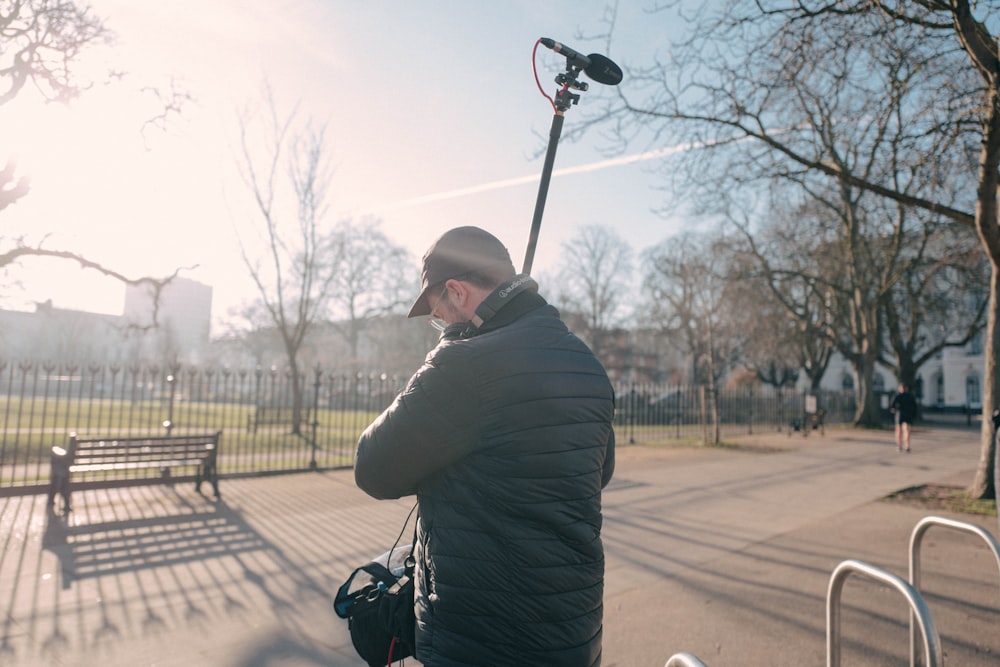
(178, 325)
(952, 381)
(57, 335)
(181, 330)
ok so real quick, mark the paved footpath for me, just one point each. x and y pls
(722, 553)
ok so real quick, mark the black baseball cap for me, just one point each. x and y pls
(456, 252)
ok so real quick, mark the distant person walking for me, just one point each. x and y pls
(904, 407)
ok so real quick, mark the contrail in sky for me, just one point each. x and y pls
(521, 180)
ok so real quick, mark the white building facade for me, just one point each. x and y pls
(952, 381)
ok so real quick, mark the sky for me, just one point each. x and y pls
(434, 121)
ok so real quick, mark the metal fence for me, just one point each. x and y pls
(655, 412)
(41, 404)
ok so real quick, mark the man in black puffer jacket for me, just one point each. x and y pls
(504, 434)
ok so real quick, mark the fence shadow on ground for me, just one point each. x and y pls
(133, 563)
(88, 549)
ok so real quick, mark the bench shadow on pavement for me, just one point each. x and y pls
(114, 547)
(107, 541)
(148, 551)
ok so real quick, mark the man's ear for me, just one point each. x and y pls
(460, 293)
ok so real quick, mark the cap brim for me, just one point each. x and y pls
(420, 306)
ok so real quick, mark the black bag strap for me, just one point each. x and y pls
(345, 598)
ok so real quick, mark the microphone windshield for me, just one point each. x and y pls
(602, 70)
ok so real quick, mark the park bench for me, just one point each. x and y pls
(263, 415)
(811, 421)
(109, 461)
(813, 418)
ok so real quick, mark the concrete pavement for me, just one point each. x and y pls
(722, 553)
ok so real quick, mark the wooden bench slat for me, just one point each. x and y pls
(134, 465)
(105, 445)
(141, 451)
(142, 456)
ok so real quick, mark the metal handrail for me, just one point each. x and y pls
(916, 538)
(932, 641)
(684, 660)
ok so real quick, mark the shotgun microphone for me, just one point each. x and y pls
(572, 57)
(599, 68)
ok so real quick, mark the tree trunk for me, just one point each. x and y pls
(867, 414)
(713, 397)
(292, 351)
(984, 483)
(296, 398)
(907, 375)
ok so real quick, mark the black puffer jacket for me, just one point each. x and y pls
(506, 439)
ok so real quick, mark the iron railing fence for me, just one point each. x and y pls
(656, 412)
(265, 430)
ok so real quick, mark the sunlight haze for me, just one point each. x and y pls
(434, 120)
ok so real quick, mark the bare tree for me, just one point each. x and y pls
(969, 128)
(593, 280)
(831, 263)
(691, 292)
(299, 264)
(375, 279)
(750, 81)
(42, 40)
(783, 317)
(41, 43)
(774, 344)
(939, 300)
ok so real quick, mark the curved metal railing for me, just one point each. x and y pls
(684, 660)
(916, 537)
(932, 641)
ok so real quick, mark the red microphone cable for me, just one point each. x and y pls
(534, 68)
